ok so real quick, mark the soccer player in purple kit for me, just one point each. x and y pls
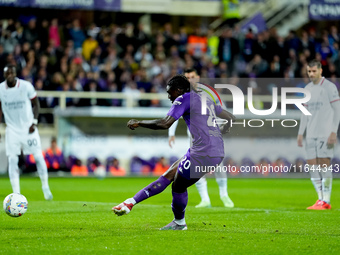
(207, 148)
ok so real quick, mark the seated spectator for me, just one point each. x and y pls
(78, 169)
(30, 165)
(279, 165)
(54, 157)
(92, 86)
(231, 165)
(160, 167)
(70, 161)
(145, 167)
(115, 169)
(197, 44)
(135, 166)
(263, 166)
(92, 164)
(7, 41)
(95, 166)
(77, 35)
(299, 165)
(257, 66)
(154, 102)
(144, 85)
(89, 45)
(53, 32)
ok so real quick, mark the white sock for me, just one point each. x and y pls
(222, 185)
(202, 188)
(327, 189)
(13, 172)
(327, 179)
(180, 222)
(316, 180)
(42, 170)
(130, 201)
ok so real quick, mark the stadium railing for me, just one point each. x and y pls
(131, 100)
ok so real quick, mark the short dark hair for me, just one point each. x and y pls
(179, 81)
(315, 62)
(190, 70)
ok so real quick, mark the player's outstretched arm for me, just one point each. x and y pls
(164, 123)
(226, 115)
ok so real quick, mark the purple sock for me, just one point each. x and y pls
(179, 203)
(152, 189)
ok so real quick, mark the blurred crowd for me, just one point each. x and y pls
(57, 162)
(156, 166)
(73, 57)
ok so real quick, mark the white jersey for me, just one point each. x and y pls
(319, 124)
(16, 105)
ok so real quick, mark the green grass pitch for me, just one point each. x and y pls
(269, 218)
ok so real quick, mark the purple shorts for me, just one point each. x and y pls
(194, 166)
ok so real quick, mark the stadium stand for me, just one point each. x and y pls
(112, 58)
(60, 54)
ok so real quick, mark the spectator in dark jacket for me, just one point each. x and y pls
(228, 48)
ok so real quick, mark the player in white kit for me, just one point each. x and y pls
(221, 177)
(16, 99)
(321, 137)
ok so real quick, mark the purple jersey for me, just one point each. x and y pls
(206, 136)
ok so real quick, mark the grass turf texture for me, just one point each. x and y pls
(269, 218)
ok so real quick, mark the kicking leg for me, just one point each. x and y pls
(179, 202)
(181, 182)
(152, 189)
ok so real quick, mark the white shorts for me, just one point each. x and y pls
(29, 143)
(317, 148)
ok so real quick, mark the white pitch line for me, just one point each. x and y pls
(213, 208)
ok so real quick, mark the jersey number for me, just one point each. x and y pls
(322, 143)
(186, 162)
(32, 142)
(212, 116)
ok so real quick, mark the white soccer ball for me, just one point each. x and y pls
(15, 204)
